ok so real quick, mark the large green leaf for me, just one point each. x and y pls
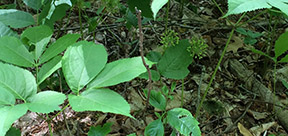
(82, 62)
(157, 5)
(54, 10)
(157, 100)
(241, 6)
(6, 98)
(13, 51)
(183, 121)
(59, 46)
(155, 128)
(35, 4)
(6, 31)
(15, 18)
(119, 71)
(9, 114)
(20, 82)
(39, 37)
(175, 61)
(154, 74)
(104, 100)
(284, 60)
(100, 131)
(46, 101)
(48, 68)
(281, 44)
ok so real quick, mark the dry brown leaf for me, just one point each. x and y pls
(234, 46)
(257, 130)
(244, 131)
(258, 115)
(136, 101)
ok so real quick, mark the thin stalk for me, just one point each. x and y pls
(37, 17)
(65, 28)
(80, 22)
(182, 94)
(60, 111)
(49, 125)
(214, 74)
(253, 17)
(217, 67)
(167, 16)
(218, 7)
(274, 85)
(141, 38)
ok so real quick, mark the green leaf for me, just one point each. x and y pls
(15, 18)
(19, 82)
(35, 4)
(46, 101)
(262, 53)
(6, 98)
(155, 128)
(153, 56)
(157, 5)
(104, 100)
(13, 51)
(285, 83)
(281, 44)
(241, 6)
(175, 61)
(59, 46)
(241, 31)
(143, 5)
(280, 4)
(182, 120)
(6, 31)
(213, 107)
(155, 75)
(100, 131)
(249, 40)
(13, 132)
(285, 59)
(157, 100)
(38, 36)
(82, 62)
(54, 10)
(48, 68)
(119, 71)
(253, 34)
(9, 114)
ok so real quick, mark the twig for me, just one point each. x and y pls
(138, 12)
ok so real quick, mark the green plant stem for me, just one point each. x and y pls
(261, 13)
(218, 7)
(274, 85)
(60, 111)
(167, 16)
(80, 22)
(49, 125)
(218, 65)
(65, 28)
(182, 94)
(214, 73)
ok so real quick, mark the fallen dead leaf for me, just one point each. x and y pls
(257, 130)
(258, 115)
(244, 131)
(234, 46)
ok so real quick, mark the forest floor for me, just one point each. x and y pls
(232, 106)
